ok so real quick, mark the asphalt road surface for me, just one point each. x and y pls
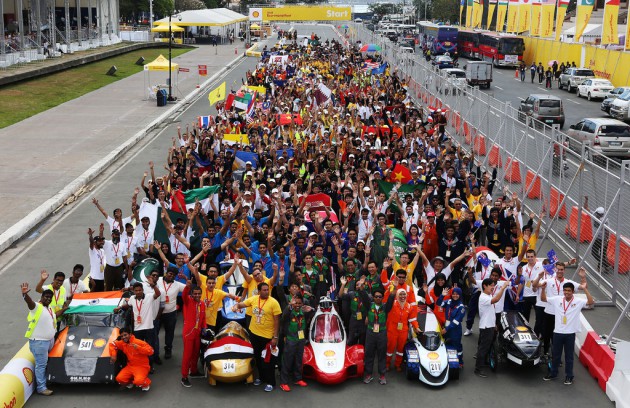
(62, 241)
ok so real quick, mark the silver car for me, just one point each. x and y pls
(612, 95)
(610, 137)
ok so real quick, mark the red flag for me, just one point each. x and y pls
(400, 174)
(178, 197)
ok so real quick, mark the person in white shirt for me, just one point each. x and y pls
(97, 262)
(566, 311)
(487, 321)
(115, 262)
(530, 272)
(170, 289)
(508, 263)
(115, 223)
(129, 243)
(74, 284)
(144, 239)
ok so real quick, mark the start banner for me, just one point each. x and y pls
(301, 13)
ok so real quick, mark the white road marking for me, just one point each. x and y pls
(498, 87)
(522, 99)
(543, 89)
(575, 102)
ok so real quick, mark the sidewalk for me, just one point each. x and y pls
(44, 154)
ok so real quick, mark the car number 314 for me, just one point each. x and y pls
(229, 366)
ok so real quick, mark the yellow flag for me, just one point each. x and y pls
(501, 13)
(627, 44)
(477, 14)
(260, 89)
(609, 27)
(216, 95)
(584, 10)
(469, 13)
(562, 12)
(524, 15)
(534, 26)
(546, 18)
(231, 138)
(512, 16)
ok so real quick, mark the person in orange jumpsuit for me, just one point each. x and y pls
(400, 315)
(430, 244)
(136, 372)
(194, 322)
(436, 295)
(399, 282)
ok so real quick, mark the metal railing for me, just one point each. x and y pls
(548, 169)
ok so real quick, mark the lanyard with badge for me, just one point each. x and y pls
(146, 237)
(376, 311)
(115, 249)
(139, 307)
(259, 312)
(208, 301)
(167, 299)
(566, 307)
(403, 308)
(100, 260)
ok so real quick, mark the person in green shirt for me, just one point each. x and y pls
(352, 304)
(294, 326)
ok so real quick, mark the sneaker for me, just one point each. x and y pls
(186, 382)
(368, 379)
(196, 375)
(568, 381)
(257, 381)
(549, 377)
(285, 387)
(158, 361)
(468, 332)
(46, 392)
(301, 383)
(268, 388)
(382, 380)
(147, 388)
(480, 373)
(168, 354)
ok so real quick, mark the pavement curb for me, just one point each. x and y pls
(19, 229)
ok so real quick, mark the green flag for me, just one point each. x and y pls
(399, 243)
(404, 189)
(200, 193)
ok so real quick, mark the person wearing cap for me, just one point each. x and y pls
(144, 240)
(116, 265)
(454, 312)
(97, 261)
(601, 240)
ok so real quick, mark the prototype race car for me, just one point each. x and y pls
(426, 357)
(80, 353)
(229, 357)
(515, 342)
(327, 359)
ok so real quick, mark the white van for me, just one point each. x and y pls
(620, 106)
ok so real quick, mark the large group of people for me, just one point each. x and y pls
(324, 125)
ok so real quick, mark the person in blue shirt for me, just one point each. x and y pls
(284, 264)
(454, 313)
(265, 254)
(515, 299)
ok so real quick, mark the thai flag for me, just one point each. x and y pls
(205, 121)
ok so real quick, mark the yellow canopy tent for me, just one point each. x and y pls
(158, 64)
(163, 28)
(254, 27)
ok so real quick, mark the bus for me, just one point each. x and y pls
(440, 39)
(468, 43)
(501, 49)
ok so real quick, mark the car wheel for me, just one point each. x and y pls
(453, 374)
(569, 88)
(588, 96)
(577, 93)
(560, 85)
(561, 125)
(409, 374)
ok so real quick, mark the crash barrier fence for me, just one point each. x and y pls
(544, 166)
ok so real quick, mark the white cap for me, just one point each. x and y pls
(247, 192)
(404, 161)
(433, 178)
(312, 233)
(303, 228)
(275, 190)
(249, 173)
(600, 211)
(351, 155)
(248, 162)
(366, 189)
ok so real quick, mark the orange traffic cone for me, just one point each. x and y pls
(532, 184)
(467, 135)
(494, 157)
(586, 228)
(624, 252)
(512, 171)
(458, 123)
(554, 202)
(516, 73)
(479, 146)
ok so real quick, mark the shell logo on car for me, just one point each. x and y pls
(329, 353)
(433, 355)
(98, 343)
(521, 328)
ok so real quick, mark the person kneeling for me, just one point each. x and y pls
(136, 372)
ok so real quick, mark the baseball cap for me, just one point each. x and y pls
(303, 228)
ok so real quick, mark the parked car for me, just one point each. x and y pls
(611, 96)
(442, 61)
(619, 107)
(594, 88)
(543, 107)
(406, 50)
(572, 77)
(610, 137)
(456, 80)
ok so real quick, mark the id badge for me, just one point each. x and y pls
(495, 237)
(564, 320)
(329, 249)
(529, 284)
(345, 291)
(359, 316)
(203, 266)
(448, 253)
(375, 328)
(301, 334)
(383, 242)
(117, 260)
(321, 278)
(399, 326)
(167, 299)
(139, 319)
(146, 246)
(102, 268)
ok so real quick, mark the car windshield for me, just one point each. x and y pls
(549, 103)
(584, 72)
(430, 340)
(625, 96)
(447, 34)
(615, 131)
(458, 74)
(92, 319)
(512, 46)
(327, 329)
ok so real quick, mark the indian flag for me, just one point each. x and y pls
(94, 302)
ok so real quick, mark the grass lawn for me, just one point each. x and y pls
(27, 98)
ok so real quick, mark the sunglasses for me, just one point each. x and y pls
(378, 296)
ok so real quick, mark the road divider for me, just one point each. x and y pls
(17, 379)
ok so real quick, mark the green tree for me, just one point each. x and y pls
(383, 9)
(445, 10)
(424, 8)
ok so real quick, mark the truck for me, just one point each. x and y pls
(478, 73)
(572, 77)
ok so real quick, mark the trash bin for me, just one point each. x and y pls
(161, 97)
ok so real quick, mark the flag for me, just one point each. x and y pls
(584, 10)
(380, 70)
(233, 138)
(469, 12)
(288, 118)
(188, 198)
(205, 121)
(322, 94)
(251, 108)
(512, 16)
(626, 45)
(260, 89)
(501, 13)
(562, 12)
(400, 174)
(492, 4)
(94, 302)
(534, 26)
(238, 101)
(461, 9)
(399, 243)
(151, 211)
(609, 29)
(386, 187)
(477, 13)
(546, 18)
(216, 95)
(242, 157)
(524, 15)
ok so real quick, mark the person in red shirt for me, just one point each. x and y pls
(194, 322)
(136, 372)
(430, 243)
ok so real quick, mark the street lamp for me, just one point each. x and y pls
(170, 46)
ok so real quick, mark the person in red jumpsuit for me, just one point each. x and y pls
(430, 244)
(436, 295)
(136, 372)
(400, 315)
(194, 322)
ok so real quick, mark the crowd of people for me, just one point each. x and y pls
(324, 125)
(548, 75)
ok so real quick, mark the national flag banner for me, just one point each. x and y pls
(512, 16)
(260, 89)
(380, 70)
(399, 243)
(584, 10)
(251, 109)
(546, 18)
(477, 13)
(609, 26)
(239, 101)
(469, 12)
(94, 302)
(534, 26)
(322, 94)
(279, 59)
(492, 5)
(562, 12)
(147, 209)
(386, 187)
(461, 10)
(400, 174)
(242, 157)
(217, 94)
(205, 121)
(189, 198)
(233, 138)
(501, 14)
(288, 118)
(524, 15)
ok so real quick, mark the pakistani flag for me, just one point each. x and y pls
(404, 189)
(96, 302)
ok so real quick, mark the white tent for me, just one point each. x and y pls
(205, 18)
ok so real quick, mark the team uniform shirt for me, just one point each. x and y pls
(481, 275)
(412, 219)
(144, 311)
(533, 240)
(46, 327)
(567, 313)
(530, 273)
(97, 263)
(130, 243)
(554, 288)
(114, 253)
(177, 247)
(263, 312)
(252, 287)
(500, 305)
(113, 224)
(72, 288)
(409, 269)
(144, 239)
(430, 272)
(508, 268)
(169, 293)
(539, 301)
(487, 314)
(213, 301)
(364, 227)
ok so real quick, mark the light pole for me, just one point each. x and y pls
(170, 47)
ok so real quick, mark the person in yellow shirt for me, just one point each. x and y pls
(264, 327)
(211, 296)
(405, 265)
(529, 238)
